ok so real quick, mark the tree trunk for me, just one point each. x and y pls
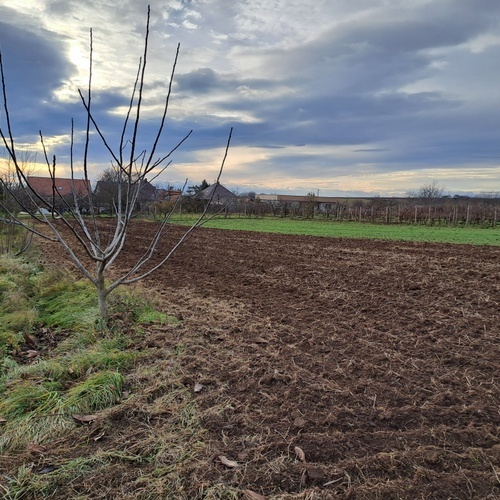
(103, 303)
(102, 293)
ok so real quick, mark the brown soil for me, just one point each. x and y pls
(379, 360)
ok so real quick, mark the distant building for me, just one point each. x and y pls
(218, 193)
(58, 193)
(106, 194)
(292, 198)
(49, 188)
(167, 194)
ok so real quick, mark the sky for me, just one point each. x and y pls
(336, 97)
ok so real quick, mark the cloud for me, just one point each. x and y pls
(200, 80)
(369, 89)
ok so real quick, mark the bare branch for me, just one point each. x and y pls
(165, 110)
(126, 280)
(67, 223)
(141, 88)
(89, 102)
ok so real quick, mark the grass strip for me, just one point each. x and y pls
(461, 235)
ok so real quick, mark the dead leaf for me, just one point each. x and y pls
(251, 495)
(314, 473)
(198, 387)
(29, 339)
(300, 454)
(84, 419)
(36, 448)
(228, 463)
(31, 353)
(3, 420)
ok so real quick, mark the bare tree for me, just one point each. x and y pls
(428, 192)
(309, 206)
(8, 177)
(75, 226)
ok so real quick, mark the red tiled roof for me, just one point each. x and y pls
(168, 194)
(43, 186)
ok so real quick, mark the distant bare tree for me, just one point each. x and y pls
(309, 206)
(9, 184)
(70, 226)
(428, 192)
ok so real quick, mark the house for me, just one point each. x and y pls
(49, 188)
(59, 193)
(168, 194)
(218, 193)
(106, 194)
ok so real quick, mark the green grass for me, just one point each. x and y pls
(18, 312)
(395, 232)
(78, 368)
(147, 420)
(65, 303)
(139, 304)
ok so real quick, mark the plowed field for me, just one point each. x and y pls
(378, 360)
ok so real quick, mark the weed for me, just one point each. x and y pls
(149, 316)
(98, 357)
(27, 483)
(17, 487)
(32, 412)
(219, 492)
(36, 411)
(67, 304)
(77, 341)
(98, 391)
(179, 349)
(28, 397)
(9, 340)
(138, 305)
(18, 312)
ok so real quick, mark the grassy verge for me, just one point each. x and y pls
(320, 227)
(55, 363)
(82, 407)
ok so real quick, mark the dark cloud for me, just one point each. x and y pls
(35, 66)
(371, 150)
(200, 81)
